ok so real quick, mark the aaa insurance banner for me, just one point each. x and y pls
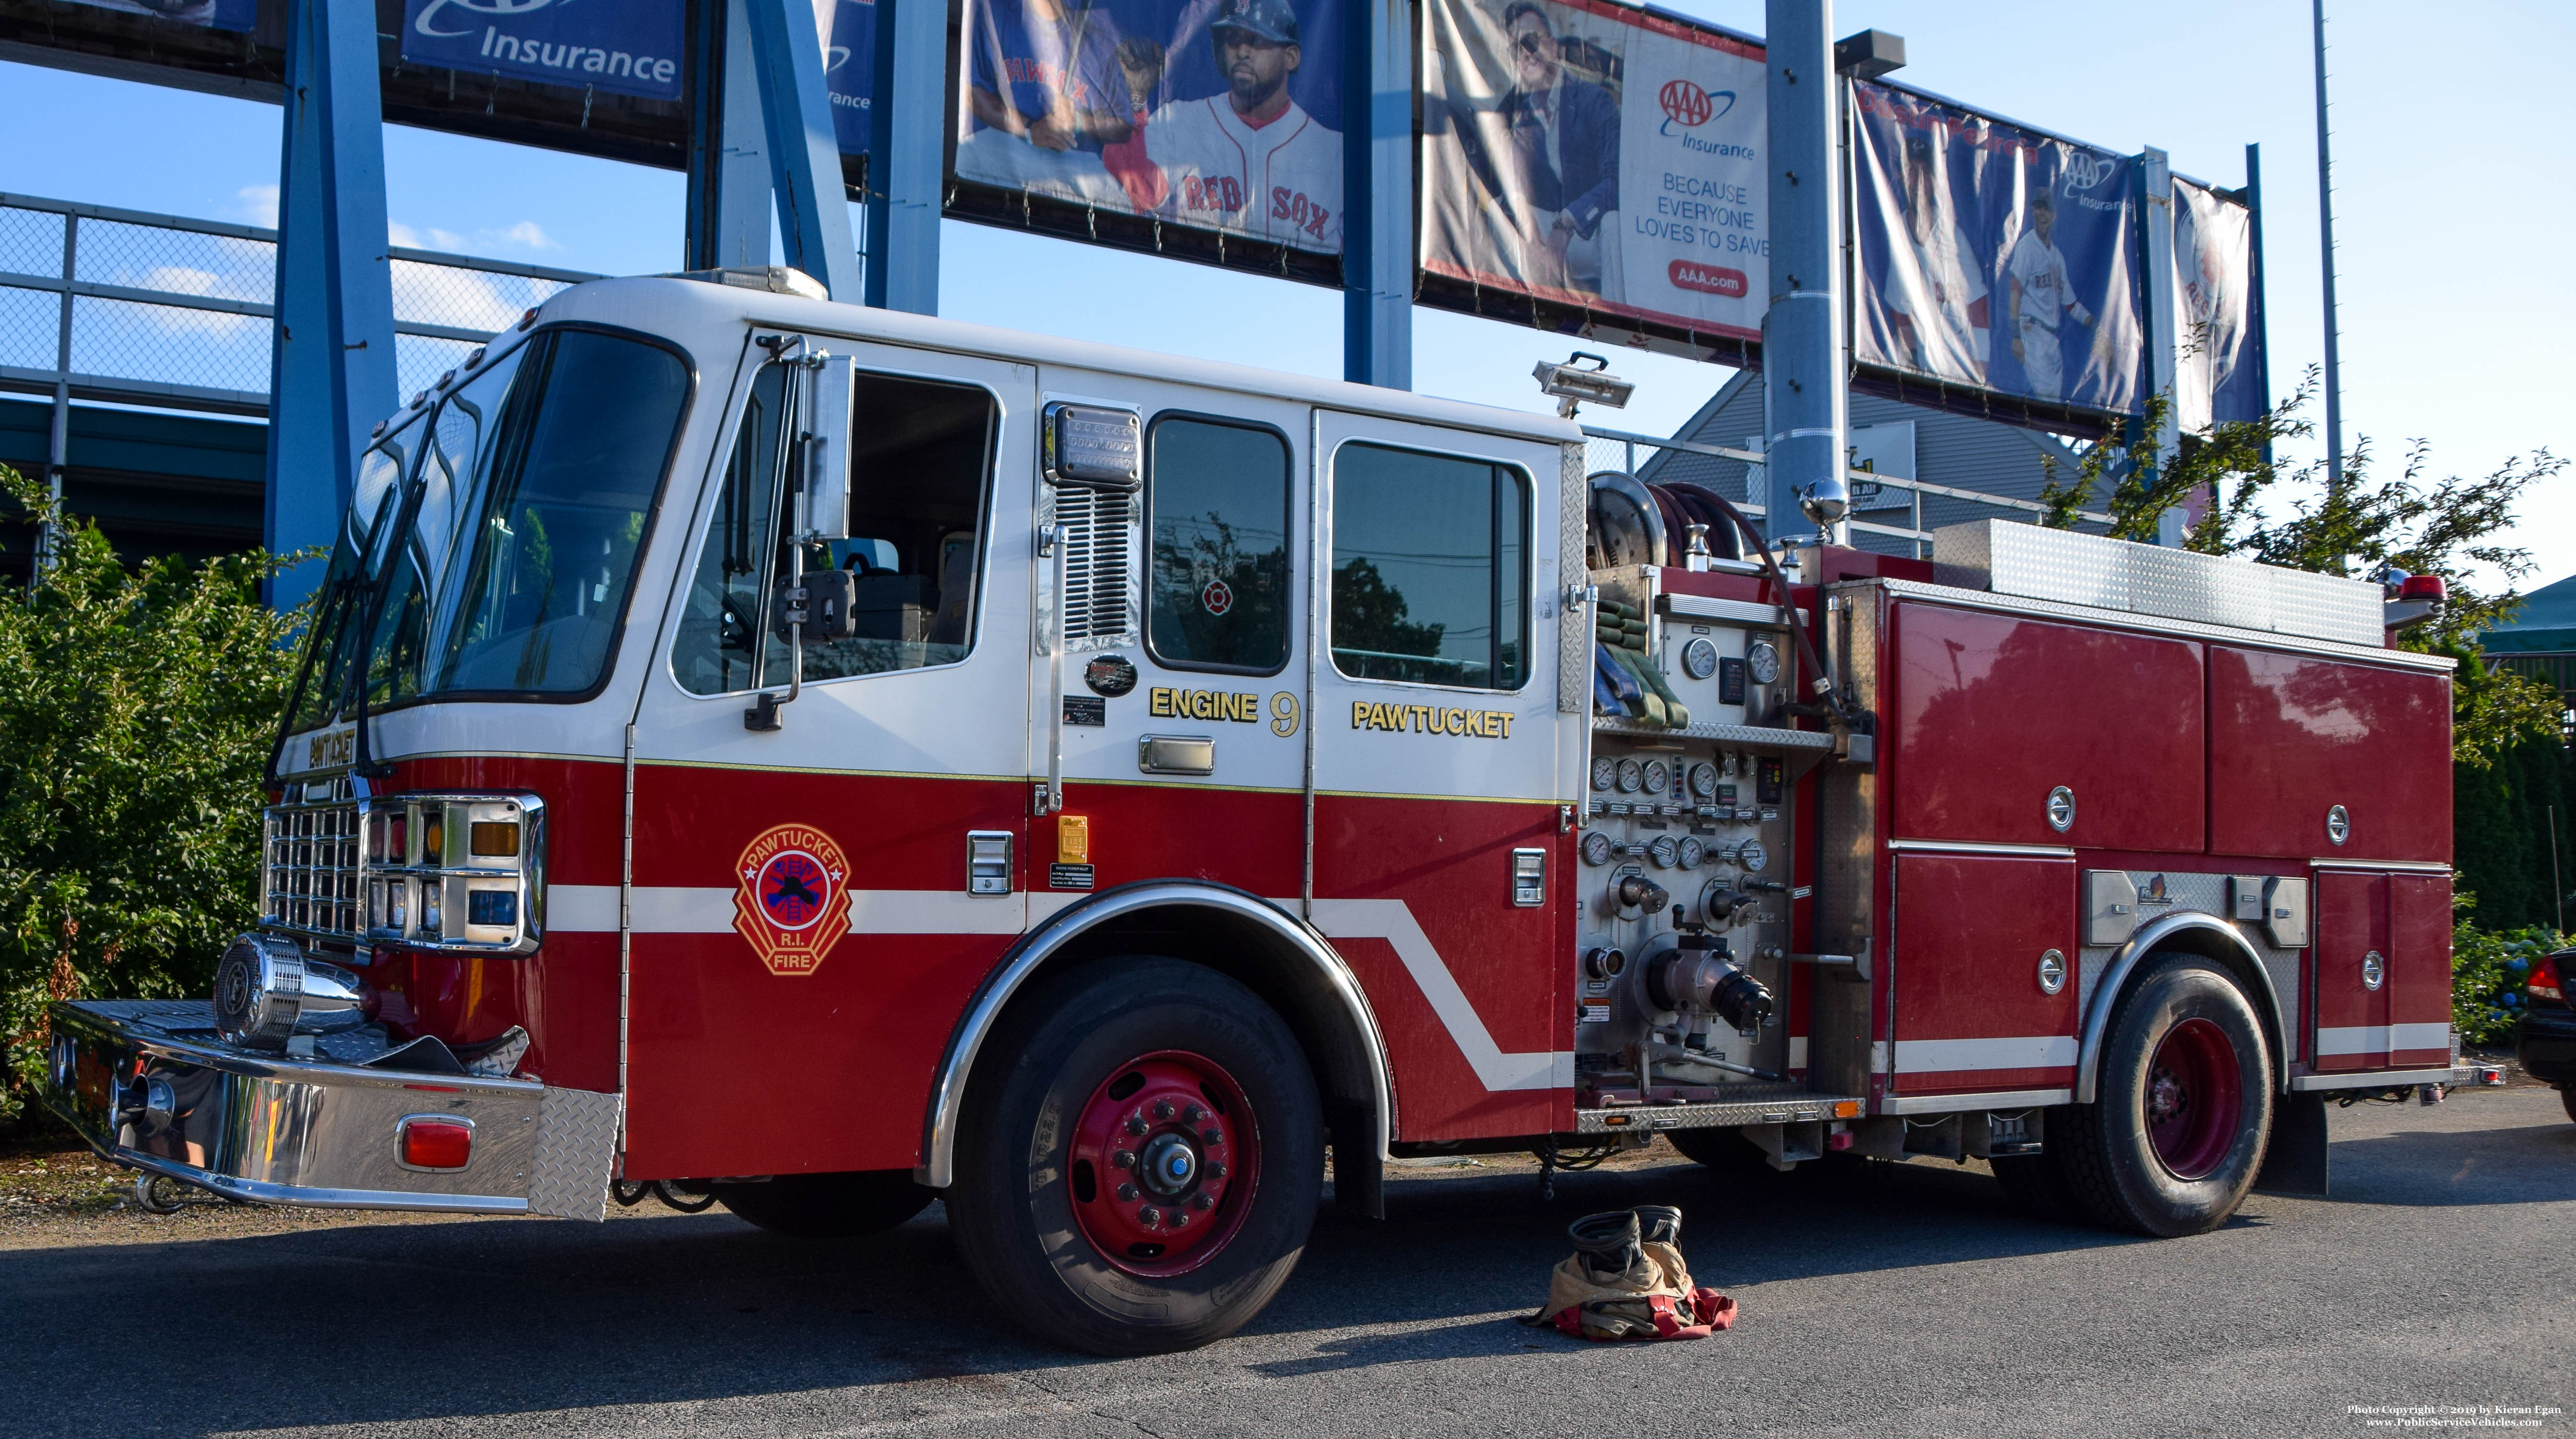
(2218, 370)
(1992, 256)
(1221, 115)
(1598, 155)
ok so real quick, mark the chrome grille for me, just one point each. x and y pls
(312, 886)
(1098, 531)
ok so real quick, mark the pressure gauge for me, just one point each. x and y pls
(1692, 852)
(1632, 776)
(1658, 775)
(1753, 856)
(1703, 780)
(1605, 772)
(1596, 848)
(1664, 852)
(1699, 659)
(1762, 662)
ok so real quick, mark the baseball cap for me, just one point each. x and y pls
(1272, 20)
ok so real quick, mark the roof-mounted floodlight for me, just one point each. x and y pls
(1869, 54)
(1574, 381)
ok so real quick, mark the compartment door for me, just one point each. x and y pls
(1973, 1009)
(2352, 934)
(2419, 974)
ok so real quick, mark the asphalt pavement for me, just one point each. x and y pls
(1901, 1300)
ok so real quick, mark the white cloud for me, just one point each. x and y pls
(525, 235)
(256, 205)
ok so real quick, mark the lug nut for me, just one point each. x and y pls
(1202, 1202)
(1162, 1109)
(1180, 1219)
(1215, 1169)
(1211, 1136)
(1135, 1124)
(1149, 1216)
(1192, 1114)
(1123, 1159)
(1127, 1191)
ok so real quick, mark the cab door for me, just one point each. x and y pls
(1439, 868)
(1170, 632)
(808, 910)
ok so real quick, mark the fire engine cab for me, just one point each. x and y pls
(820, 760)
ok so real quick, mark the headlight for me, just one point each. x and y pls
(267, 991)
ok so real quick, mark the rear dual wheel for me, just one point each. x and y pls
(1142, 1176)
(2183, 1108)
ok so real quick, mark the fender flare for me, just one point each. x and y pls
(938, 1168)
(2210, 931)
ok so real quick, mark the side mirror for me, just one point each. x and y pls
(827, 447)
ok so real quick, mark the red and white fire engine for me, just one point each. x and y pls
(822, 759)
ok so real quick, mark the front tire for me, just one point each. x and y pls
(1142, 1176)
(828, 1206)
(2183, 1105)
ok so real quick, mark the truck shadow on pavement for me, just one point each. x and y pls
(527, 1317)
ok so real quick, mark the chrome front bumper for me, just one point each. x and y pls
(278, 1130)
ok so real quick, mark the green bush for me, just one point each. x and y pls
(2488, 971)
(137, 707)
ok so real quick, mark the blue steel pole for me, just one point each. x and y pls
(1804, 402)
(331, 373)
(1377, 194)
(2262, 336)
(906, 115)
(804, 156)
(728, 152)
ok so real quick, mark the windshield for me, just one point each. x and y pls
(500, 567)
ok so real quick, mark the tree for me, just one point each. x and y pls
(137, 707)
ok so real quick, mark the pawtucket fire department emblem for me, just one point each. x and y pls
(793, 900)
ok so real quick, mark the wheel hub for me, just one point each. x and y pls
(2193, 1096)
(1164, 1162)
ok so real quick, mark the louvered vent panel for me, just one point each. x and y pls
(1099, 537)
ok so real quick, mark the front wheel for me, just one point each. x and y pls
(2183, 1105)
(1142, 1175)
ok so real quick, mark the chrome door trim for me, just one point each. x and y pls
(1978, 846)
(2382, 866)
(938, 1168)
(1960, 1103)
(2154, 932)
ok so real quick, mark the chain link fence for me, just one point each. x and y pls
(130, 307)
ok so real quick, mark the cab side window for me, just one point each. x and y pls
(920, 466)
(1216, 504)
(1430, 568)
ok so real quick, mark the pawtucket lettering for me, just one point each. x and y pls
(1431, 719)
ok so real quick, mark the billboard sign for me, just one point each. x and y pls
(632, 47)
(1596, 155)
(1994, 257)
(1215, 115)
(2218, 372)
(237, 15)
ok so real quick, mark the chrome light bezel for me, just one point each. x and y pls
(364, 890)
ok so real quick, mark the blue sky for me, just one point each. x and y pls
(2450, 186)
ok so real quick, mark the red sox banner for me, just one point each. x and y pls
(1596, 155)
(1214, 115)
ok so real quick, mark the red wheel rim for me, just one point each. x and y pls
(2194, 1095)
(1166, 1159)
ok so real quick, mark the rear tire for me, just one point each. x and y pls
(1119, 1256)
(2183, 1105)
(828, 1206)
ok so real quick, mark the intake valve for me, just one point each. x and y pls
(1638, 892)
(1697, 979)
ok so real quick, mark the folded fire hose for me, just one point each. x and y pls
(1626, 1280)
(1626, 680)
